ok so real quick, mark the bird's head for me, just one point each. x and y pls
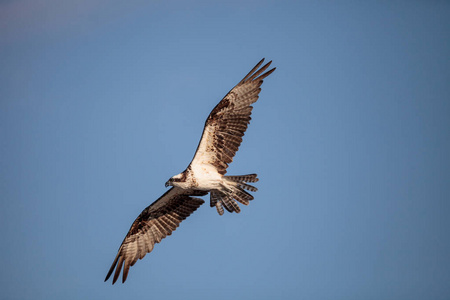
(169, 182)
(175, 179)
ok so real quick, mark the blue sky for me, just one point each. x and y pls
(103, 101)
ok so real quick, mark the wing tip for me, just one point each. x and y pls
(113, 266)
(257, 73)
(117, 265)
(252, 70)
(118, 269)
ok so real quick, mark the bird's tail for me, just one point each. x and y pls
(234, 189)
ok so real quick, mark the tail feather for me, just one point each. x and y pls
(219, 207)
(247, 187)
(242, 196)
(216, 200)
(234, 191)
(230, 204)
(243, 178)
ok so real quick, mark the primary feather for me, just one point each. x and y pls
(221, 139)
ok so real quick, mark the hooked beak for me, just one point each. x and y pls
(168, 183)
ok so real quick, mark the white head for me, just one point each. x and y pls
(175, 180)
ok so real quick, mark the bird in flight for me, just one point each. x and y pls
(221, 138)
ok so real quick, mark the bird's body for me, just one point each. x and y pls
(221, 138)
(200, 177)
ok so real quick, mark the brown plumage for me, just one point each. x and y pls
(221, 138)
(228, 121)
(153, 224)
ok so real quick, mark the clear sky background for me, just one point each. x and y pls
(103, 101)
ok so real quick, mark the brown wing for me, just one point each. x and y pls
(228, 121)
(154, 223)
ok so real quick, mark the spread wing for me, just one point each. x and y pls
(153, 224)
(227, 122)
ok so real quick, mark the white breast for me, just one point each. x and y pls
(206, 176)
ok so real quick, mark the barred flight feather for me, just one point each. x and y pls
(243, 178)
(151, 226)
(230, 119)
(221, 138)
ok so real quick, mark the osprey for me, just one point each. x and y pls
(221, 138)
